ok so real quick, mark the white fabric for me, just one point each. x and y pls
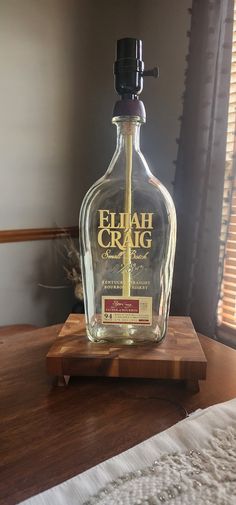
(194, 433)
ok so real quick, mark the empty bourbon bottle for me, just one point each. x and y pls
(127, 227)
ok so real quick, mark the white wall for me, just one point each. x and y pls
(163, 26)
(56, 138)
(107, 21)
(163, 29)
(39, 44)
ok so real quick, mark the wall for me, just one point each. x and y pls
(56, 100)
(107, 22)
(38, 55)
(163, 28)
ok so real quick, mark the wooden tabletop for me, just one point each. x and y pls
(49, 434)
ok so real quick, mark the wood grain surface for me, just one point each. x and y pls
(16, 328)
(178, 356)
(49, 434)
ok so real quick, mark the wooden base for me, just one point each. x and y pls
(178, 356)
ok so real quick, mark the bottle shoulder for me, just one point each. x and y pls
(156, 183)
(115, 183)
(148, 195)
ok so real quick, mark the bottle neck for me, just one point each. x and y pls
(128, 161)
(128, 128)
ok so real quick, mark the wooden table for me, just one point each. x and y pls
(49, 434)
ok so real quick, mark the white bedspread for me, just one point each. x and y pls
(193, 462)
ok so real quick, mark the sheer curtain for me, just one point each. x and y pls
(200, 167)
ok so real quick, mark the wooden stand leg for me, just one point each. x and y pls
(63, 380)
(192, 385)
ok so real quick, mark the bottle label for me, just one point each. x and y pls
(127, 310)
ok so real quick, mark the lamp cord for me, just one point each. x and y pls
(161, 398)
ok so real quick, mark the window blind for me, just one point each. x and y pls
(227, 306)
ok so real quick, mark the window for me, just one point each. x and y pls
(227, 305)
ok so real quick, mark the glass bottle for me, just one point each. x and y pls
(127, 242)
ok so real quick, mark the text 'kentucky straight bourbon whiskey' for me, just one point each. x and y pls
(127, 227)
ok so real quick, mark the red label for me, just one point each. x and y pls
(131, 306)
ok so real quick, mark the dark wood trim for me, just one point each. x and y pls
(28, 234)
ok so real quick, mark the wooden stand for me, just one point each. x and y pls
(178, 356)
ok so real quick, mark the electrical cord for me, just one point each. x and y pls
(161, 398)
